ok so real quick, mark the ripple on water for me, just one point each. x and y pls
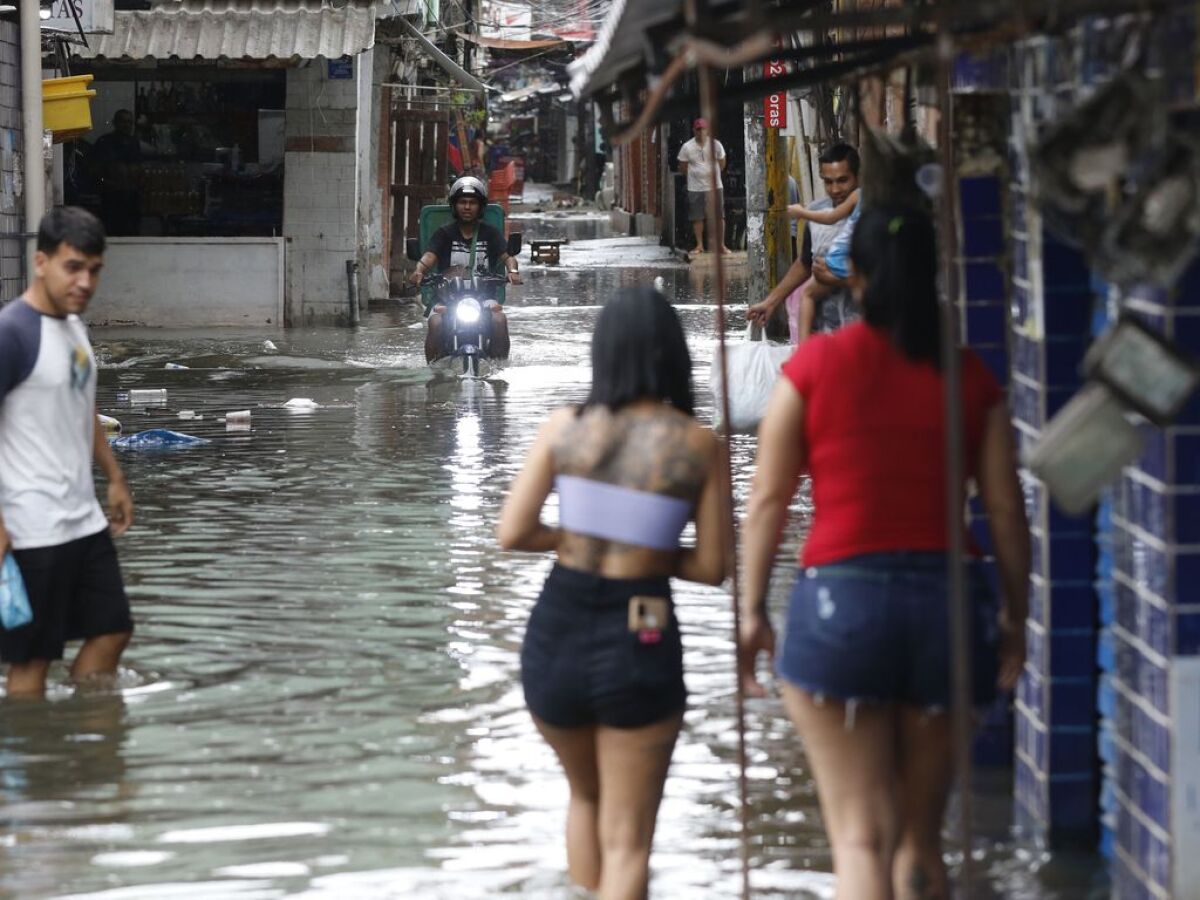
(322, 696)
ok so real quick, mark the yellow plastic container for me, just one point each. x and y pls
(67, 106)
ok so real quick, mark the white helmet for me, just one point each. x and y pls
(468, 186)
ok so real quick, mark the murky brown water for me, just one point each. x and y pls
(322, 698)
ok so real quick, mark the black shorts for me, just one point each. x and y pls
(75, 591)
(580, 663)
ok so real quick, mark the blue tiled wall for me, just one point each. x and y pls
(1112, 601)
(1155, 540)
(984, 320)
(1057, 730)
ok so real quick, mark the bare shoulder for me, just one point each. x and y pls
(559, 420)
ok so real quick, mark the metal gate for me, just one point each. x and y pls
(420, 174)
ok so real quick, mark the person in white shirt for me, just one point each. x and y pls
(696, 160)
(50, 518)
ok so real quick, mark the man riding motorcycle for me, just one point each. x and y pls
(455, 245)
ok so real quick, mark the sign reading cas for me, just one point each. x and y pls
(96, 16)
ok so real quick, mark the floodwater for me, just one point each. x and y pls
(322, 697)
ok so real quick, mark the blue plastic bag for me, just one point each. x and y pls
(159, 439)
(14, 601)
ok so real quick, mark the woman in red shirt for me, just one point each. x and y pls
(865, 666)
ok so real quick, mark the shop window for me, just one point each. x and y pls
(187, 151)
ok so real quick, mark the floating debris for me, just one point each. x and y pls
(148, 396)
(159, 439)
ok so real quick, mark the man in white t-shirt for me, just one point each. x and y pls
(50, 518)
(696, 159)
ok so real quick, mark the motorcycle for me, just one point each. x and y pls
(467, 322)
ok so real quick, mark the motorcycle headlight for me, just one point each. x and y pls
(468, 310)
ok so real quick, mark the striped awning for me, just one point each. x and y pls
(237, 29)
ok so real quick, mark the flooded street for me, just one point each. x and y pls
(322, 698)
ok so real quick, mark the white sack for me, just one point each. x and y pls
(753, 370)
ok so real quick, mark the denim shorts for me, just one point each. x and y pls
(875, 628)
(580, 663)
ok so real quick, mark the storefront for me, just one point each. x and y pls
(225, 161)
(190, 150)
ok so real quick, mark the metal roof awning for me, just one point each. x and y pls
(237, 29)
(621, 45)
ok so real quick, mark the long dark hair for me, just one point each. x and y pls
(639, 353)
(895, 250)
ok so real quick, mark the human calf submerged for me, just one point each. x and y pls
(602, 660)
(50, 519)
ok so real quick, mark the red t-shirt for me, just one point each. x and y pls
(874, 433)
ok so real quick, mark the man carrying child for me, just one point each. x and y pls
(817, 278)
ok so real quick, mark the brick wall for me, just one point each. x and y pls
(12, 267)
(319, 215)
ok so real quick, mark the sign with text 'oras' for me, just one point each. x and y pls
(95, 16)
(775, 105)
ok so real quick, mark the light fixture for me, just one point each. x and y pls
(1131, 369)
(1147, 372)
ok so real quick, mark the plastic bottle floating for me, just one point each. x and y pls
(159, 439)
(112, 427)
(301, 403)
(148, 397)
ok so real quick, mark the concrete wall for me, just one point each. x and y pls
(12, 269)
(374, 181)
(168, 282)
(320, 193)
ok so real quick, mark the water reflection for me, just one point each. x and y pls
(323, 698)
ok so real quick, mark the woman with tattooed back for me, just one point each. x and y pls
(602, 664)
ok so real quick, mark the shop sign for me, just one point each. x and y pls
(775, 105)
(507, 19)
(95, 16)
(341, 69)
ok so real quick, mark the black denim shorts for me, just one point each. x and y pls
(75, 591)
(876, 628)
(580, 663)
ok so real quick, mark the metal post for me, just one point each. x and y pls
(758, 281)
(777, 236)
(708, 108)
(31, 123)
(352, 290)
(960, 619)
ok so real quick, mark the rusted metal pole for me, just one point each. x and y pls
(714, 213)
(757, 257)
(960, 617)
(708, 108)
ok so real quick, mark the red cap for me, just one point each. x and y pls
(700, 123)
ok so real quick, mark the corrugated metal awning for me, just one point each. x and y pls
(237, 29)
